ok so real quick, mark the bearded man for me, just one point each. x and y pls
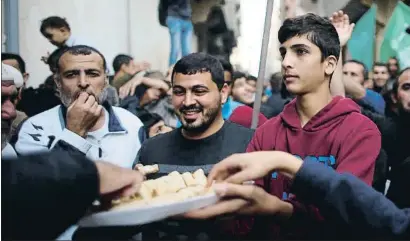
(85, 122)
(204, 138)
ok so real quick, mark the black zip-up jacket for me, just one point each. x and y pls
(348, 202)
(44, 194)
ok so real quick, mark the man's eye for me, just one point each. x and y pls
(93, 74)
(301, 51)
(406, 87)
(177, 92)
(70, 75)
(200, 91)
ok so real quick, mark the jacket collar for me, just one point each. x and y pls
(114, 124)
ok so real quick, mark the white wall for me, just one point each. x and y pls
(102, 22)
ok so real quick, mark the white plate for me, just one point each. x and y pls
(146, 214)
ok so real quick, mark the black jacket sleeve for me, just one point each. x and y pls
(44, 194)
(361, 208)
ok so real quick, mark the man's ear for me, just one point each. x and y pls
(394, 98)
(224, 93)
(57, 80)
(25, 77)
(331, 63)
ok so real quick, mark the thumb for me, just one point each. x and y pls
(234, 190)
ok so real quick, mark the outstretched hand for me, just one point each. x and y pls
(344, 28)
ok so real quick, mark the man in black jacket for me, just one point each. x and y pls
(46, 193)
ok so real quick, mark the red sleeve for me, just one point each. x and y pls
(357, 155)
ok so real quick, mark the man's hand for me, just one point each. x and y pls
(237, 169)
(83, 114)
(158, 128)
(240, 168)
(343, 27)
(242, 199)
(149, 96)
(129, 88)
(118, 180)
(141, 66)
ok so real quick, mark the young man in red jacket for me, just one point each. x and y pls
(314, 126)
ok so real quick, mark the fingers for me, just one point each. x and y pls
(351, 27)
(223, 207)
(249, 192)
(90, 101)
(124, 90)
(133, 87)
(136, 178)
(130, 182)
(240, 177)
(83, 97)
(224, 168)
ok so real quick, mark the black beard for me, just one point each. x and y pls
(209, 119)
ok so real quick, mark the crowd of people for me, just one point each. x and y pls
(330, 136)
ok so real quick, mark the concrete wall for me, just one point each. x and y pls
(120, 26)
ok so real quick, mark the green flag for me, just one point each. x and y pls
(396, 42)
(361, 44)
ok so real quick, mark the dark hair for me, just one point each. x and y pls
(53, 22)
(54, 57)
(251, 78)
(318, 30)
(276, 80)
(18, 58)
(48, 83)
(380, 64)
(237, 75)
(79, 50)
(155, 74)
(200, 63)
(396, 82)
(119, 60)
(226, 65)
(365, 70)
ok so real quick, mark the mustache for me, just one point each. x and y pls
(196, 108)
(78, 93)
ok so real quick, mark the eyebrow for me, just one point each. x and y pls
(193, 87)
(295, 46)
(77, 71)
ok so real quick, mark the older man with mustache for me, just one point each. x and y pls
(11, 78)
(85, 120)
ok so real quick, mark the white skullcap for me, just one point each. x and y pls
(9, 73)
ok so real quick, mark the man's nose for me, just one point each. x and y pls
(189, 99)
(9, 108)
(287, 62)
(83, 81)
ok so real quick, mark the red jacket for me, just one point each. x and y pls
(338, 136)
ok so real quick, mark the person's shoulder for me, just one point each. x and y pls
(238, 129)
(359, 122)
(271, 123)
(44, 120)
(373, 94)
(46, 115)
(126, 117)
